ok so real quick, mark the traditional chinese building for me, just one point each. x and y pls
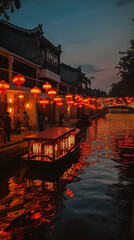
(29, 53)
(77, 79)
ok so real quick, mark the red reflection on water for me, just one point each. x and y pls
(70, 193)
(36, 215)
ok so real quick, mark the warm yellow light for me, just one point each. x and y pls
(10, 109)
(10, 100)
(27, 105)
(20, 96)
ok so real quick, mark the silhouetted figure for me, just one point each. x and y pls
(7, 127)
(40, 121)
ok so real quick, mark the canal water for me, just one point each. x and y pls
(89, 199)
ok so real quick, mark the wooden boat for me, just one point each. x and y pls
(52, 146)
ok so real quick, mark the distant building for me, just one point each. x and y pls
(76, 78)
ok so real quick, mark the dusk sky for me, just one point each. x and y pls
(91, 32)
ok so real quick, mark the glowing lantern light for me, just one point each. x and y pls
(44, 102)
(18, 79)
(70, 102)
(98, 100)
(35, 91)
(57, 99)
(114, 102)
(86, 104)
(80, 99)
(47, 86)
(106, 99)
(85, 100)
(128, 100)
(20, 96)
(77, 97)
(93, 99)
(120, 99)
(75, 103)
(69, 96)
(51, 92)
(89, 99)
(3, 87)
(80, 105)
(59, 104)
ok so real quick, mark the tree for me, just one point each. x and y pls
(126, 72)
(5, 5)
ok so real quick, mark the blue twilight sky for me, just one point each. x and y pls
(91, 32)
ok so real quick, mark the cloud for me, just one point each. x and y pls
(122, 3)
(88, 69)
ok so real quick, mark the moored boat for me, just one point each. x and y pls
(52, 146)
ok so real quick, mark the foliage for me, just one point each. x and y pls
(5, 5)
(125, 87)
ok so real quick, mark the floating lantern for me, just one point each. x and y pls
(35, 91)
(93, 99)
(51, 92)
(3, 87)
(44, 102)
(18, 79)
(47, 86)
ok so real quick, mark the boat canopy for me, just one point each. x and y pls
(50, 134)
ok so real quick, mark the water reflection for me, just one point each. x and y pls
(95, 192)
(34, 197)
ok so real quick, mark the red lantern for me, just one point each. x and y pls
(57, 99)
(3, 87)
(44, 102)
(51, 92)
(80, 105)
(59, 104)
(18, 79)
(70, 102)
(68, 96)
(35, 91)
(114, 102)
(77, 97)
(47, 86)
(75, 103)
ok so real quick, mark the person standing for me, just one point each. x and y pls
(26, 122)
(7, 127)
